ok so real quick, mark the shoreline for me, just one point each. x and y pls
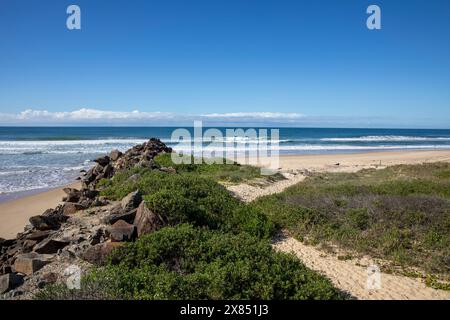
(14, 213)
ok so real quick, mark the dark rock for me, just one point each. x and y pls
(50, 219)
(29, 263)
(5, 268)
(41, 223)
(147, 221)
(48, 246)
(38, 235)
(126, 216)
(46, 279)
(98, 254)
(97, 170)
(97, 237)
(28, 245)
(131, 201)
(108, 171)
(73, 195)
(103, 161)
(90, 194)
(115, 154)
(122, 231)
(10, 281)
(70, 208)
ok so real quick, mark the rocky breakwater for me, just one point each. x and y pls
(82, 231)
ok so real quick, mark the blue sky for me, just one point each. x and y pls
(305, 63)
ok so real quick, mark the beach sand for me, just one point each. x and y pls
(14, 214)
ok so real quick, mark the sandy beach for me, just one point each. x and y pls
(14, 214)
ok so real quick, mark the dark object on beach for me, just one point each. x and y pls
(336, 164)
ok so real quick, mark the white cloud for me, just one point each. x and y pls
(95, 116)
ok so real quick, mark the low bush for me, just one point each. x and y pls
(185, 262)
(401, 213)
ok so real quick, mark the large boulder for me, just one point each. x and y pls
(115, 154)
(147, 221)
(29, 263)
(10, 281)
(98, 254)
(42, 223)
(48, 246)
(122, 231)
(131, 201)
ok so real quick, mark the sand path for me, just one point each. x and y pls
(346, 274)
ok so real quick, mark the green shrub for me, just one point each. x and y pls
(184, 262)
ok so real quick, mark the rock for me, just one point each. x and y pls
(38, 235)
(122, 231)
(90, 194)
(29, 263)
(5, 269)
(131, 201)
(115, 154)
(103, 161)
(98, 254)
(126, 216)
(46, 279)
(168, 169)
(108, 171)
(96, 237)
(70, 208)
(147, 221)
(41, 223)
(73, 195)
(48, 246)
(10, 281)
(97, 170)
(28, 245)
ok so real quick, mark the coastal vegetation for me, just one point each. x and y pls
(400, 213)
(212, 246)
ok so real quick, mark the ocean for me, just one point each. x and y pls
(34, 158)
